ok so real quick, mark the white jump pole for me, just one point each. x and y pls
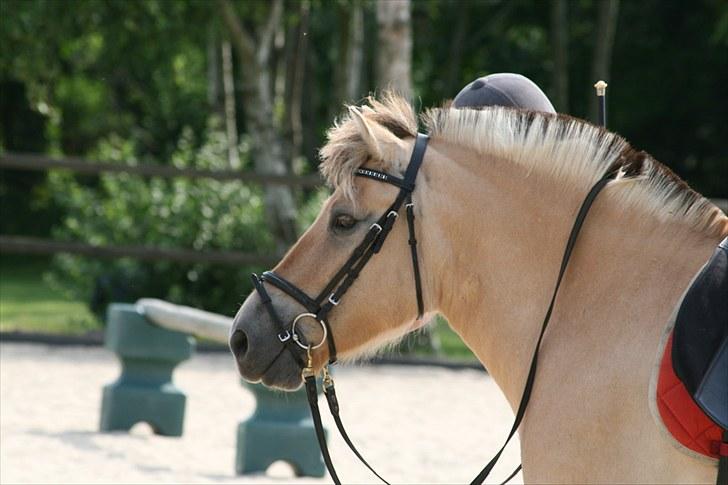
(185, 319)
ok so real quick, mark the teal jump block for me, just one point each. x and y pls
(280, 429)
(144, 392)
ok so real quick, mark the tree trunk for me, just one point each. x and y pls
(257, 90)
(560, 48)
(394, 54)
(231, 125)
(606, 27)
(457, 46)
(280, 75)
(355, 53)
(309, 107)
(340, 38)
(213, 72)
(297, 74)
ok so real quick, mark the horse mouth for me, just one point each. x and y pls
(281, 373)
(288, 380)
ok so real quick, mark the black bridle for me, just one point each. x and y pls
(319, 307)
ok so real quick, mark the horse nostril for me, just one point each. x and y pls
(239, 343)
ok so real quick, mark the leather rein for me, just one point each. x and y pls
(319, 307)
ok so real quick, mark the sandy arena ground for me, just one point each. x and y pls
(414, 424)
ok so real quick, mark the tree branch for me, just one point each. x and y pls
(266, 37)
(243, 42)
(355, 53)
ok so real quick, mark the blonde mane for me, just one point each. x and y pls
(564, 149)
(345, 149)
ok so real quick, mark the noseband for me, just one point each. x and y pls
(319, 307)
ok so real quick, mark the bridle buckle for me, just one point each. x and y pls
(376, 226)
(284, 336)
(328, 381)
(334, 301)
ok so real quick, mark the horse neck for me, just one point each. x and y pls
(496, 250)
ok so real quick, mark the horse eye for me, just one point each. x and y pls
(344, 222)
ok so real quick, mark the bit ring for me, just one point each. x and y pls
(297, 339)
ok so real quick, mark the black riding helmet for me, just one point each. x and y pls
(503, 89)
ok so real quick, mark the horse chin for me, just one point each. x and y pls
(289, 380)
(283, 373)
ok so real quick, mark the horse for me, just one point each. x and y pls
(495, 198)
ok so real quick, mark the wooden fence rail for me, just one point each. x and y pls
(32, 161)
(32, 245)
(39, 162)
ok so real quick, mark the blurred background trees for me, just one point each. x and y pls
(252, 85)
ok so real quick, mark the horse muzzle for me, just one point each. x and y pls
(259, 353)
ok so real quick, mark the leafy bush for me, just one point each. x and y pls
(124, 209)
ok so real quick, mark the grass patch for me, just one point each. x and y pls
(451, 346)
(29, 304)
(440, 341)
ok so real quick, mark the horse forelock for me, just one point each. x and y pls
(346, 150)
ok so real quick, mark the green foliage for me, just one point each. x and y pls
(27, 303)
(308, 211)
(669, 97)
(123, 209)
(99, 67)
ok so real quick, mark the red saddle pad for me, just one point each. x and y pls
(682, 417)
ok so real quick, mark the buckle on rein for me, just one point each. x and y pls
(308, 371)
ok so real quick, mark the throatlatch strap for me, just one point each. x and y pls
(409, 207)
(528, 388)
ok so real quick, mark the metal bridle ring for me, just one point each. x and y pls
(297, 339)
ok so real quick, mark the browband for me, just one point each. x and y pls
(384, 177)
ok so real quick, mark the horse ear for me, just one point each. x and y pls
(381, 143)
